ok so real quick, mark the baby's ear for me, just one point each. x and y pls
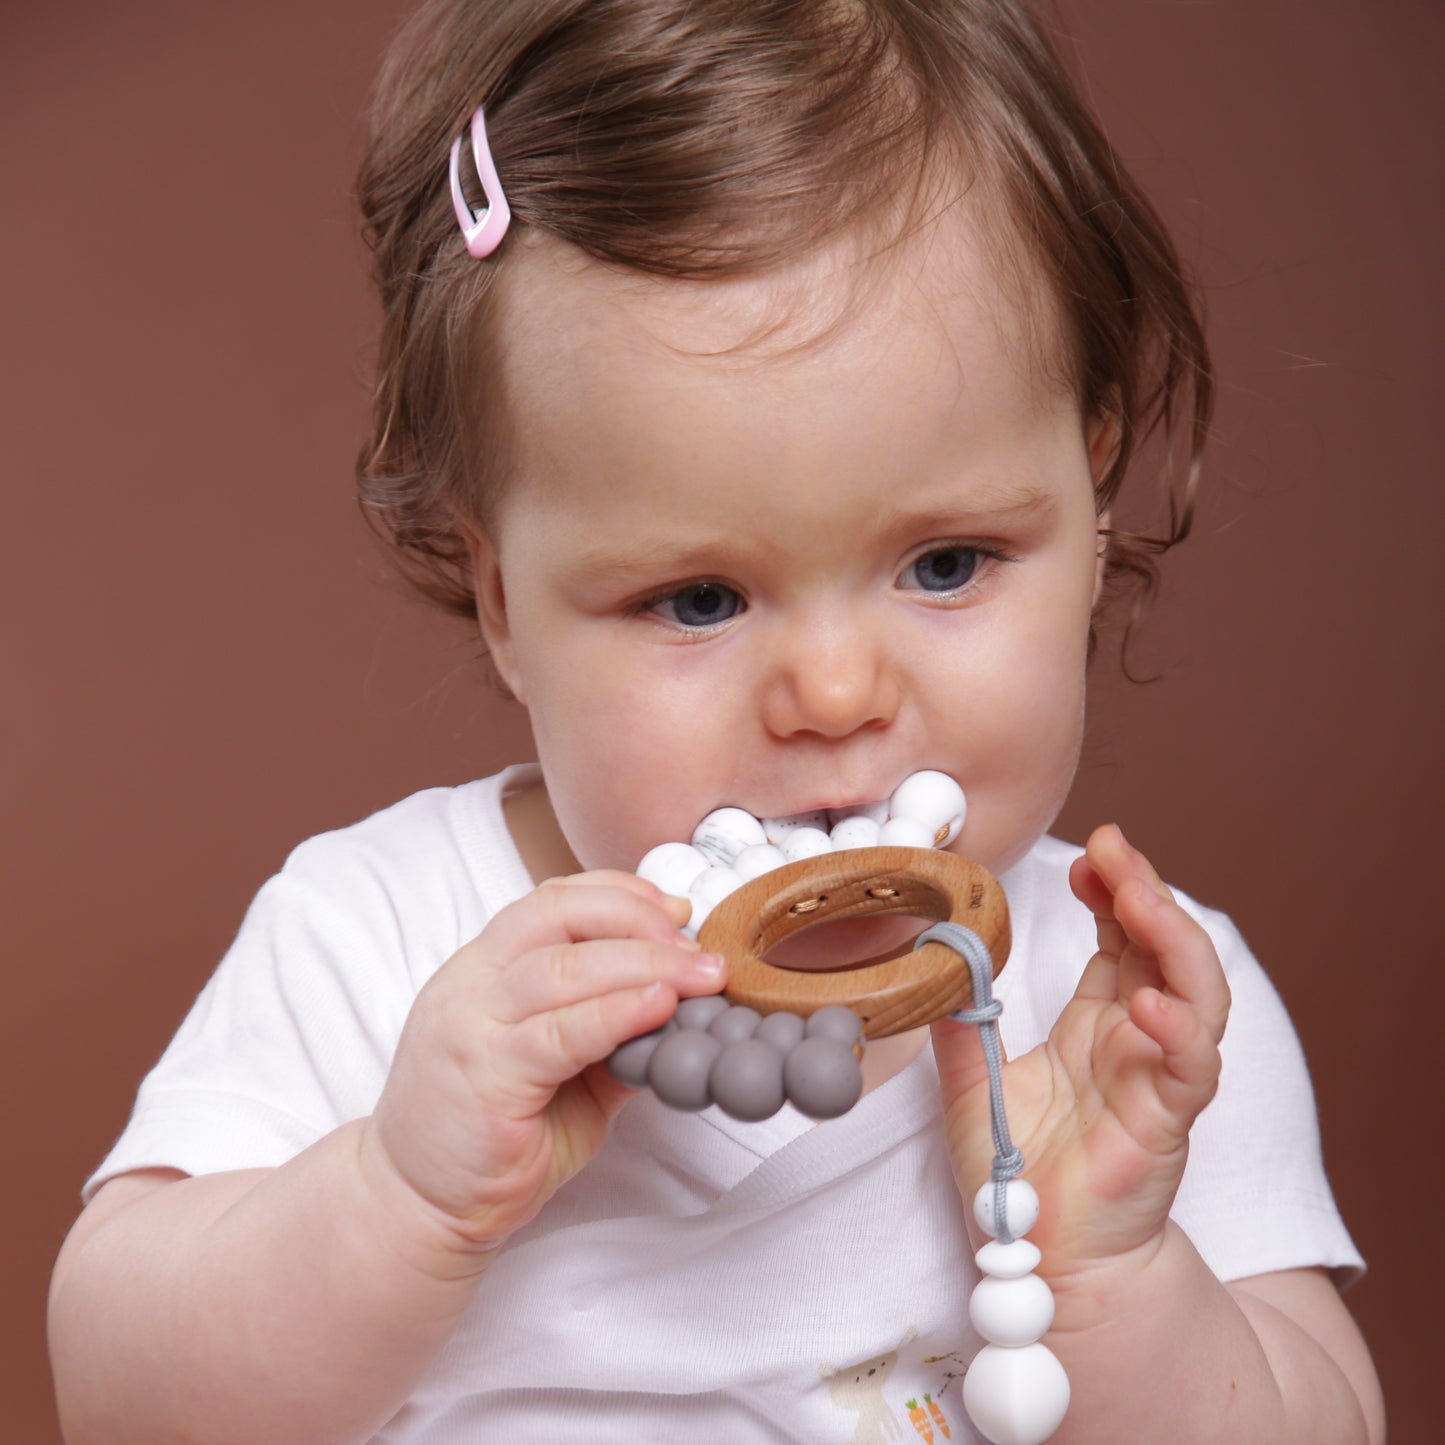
(491, 602)
(1102, 433)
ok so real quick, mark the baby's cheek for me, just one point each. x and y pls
(630, 790)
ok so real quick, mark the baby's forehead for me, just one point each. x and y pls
(957, 269)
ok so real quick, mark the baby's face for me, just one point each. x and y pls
(784, 572)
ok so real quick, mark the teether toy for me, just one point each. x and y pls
(778, 1034)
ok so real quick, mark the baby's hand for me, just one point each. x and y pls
(497, 1094)
(1102, 1109)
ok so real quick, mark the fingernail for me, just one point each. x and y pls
(709, 966)
(687, 941)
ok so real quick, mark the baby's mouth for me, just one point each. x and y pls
(731, 846)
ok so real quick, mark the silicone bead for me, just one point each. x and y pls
(822, 1078)
(905, 833)
(673, 867)
(698, 1013)
(858, 831)
(878, 812)
(1020, 1201)
(783, 1030)
(725, 832)
(933, 799)
(778, 830)
(712, 886)
(746, 1080)
(709, 889)
(805, 843)
(628, 1062)
(679, 1068)
(735, 1024)
(1009, 1261)
(834, 1021)
(1016, 1396)
(1012, 1311)
(757, 859)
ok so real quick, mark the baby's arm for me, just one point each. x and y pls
(1155, 1346)
(303, 1303)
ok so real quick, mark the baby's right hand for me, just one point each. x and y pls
(498, 1093)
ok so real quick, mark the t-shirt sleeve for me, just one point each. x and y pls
(294, 1033)
(1255, 1197)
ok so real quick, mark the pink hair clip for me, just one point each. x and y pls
(483, 229)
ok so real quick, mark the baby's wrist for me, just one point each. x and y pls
(417, 1230)
(1092, 1293)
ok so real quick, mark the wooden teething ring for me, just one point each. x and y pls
(891, 992)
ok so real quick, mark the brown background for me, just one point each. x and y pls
(205, 660)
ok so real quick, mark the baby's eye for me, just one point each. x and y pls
(702, 604)
(945, 569)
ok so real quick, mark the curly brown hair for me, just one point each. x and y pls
(640, 131)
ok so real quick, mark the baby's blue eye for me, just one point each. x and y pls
(945, 569)
(701, 605)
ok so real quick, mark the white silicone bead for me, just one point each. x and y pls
(805, 843)
(714, 885)
(933, 799)
(1009, 1261)
(1020, 1201)
(1016, 1396)
(859, 831)
(877, 811)
(778, 830)
(673, 867)
(757, 859)
(1012, 1311)
(905, 833)
(725, 832)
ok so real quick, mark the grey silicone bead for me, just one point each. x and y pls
(822, 1077)
(628, 1062)
(679, 1066)
(746, 1080)
(784, 1031)
(698, 1013)
(835, 1021)
(736, 1024)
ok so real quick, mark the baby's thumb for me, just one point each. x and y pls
(961, 1065)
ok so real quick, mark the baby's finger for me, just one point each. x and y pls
(570, 911)
(1190, 1050)
(1180, 948)
(616, 878)
(960, 1058)
(561, 974)
(550, 1048)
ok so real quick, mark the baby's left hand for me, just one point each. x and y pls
(1102, 1109)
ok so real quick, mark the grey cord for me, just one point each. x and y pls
(1008, 1162)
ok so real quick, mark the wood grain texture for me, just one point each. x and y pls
(890, 992)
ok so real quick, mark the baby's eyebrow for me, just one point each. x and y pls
(980, 510)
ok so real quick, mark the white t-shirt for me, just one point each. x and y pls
(701, 1278)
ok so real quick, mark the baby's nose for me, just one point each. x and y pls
(830, 679)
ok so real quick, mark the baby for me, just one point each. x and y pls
(764, 391)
